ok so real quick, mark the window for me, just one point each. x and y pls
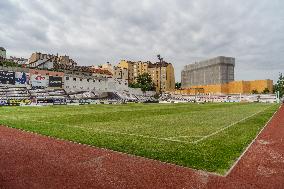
(47, 73)
(67, 78)
(80, 79)
(74, 79)
(88, 80)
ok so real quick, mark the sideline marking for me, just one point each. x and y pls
(186, 136)
(226, 127)
(130, 134)
(252, 142)
(113, 132)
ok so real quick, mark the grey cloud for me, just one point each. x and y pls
(93, 32)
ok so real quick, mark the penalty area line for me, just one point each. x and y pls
(226, 127)
(131, 134)
(113, 132)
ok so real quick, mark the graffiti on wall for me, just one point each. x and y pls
(7, 77)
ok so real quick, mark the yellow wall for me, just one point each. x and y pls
(234, 87)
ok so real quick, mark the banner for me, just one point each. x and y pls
(39, 80)
(21, 78)
(7, 77)
(17, 102)
(55, 81)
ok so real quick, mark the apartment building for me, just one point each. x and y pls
(134, 69)
(162, 74)
(49, 61)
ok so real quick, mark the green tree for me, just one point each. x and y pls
(254, 91)
(279, 86)
(144, 81)
(266, 91)
(178, 85)
(9, 64)
(133, 85)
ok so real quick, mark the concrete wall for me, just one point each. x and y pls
(91, 83)
(234, 87)
(84, 83)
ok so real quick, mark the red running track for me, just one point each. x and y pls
(29, 160)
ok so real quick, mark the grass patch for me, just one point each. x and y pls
(164, 132)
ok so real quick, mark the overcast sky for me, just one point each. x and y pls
(182, 31)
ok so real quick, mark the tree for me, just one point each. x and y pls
(254, 91)
(266, 91)
(145, 82)
(9, 64)
(178, 85)
(133, 85)
(279, 86)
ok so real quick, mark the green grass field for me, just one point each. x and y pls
(202, 136)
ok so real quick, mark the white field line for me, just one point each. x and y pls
(252, 142)
(171, 139)
(226, 127)
(185, 137)
(113, 132)
(130, 134)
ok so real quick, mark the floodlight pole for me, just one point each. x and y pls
(161, 60)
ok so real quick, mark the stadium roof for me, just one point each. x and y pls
(2, 49)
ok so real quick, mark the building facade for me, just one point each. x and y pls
(234, 87)
(162, 74)
(134, 69)
(208, 72)
(49, 61)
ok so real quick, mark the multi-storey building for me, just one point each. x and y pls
(134, 69)
(162, 74)
(117, 72)
(209, 72)
(49, 61)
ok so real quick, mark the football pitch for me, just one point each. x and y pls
(209, 137)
